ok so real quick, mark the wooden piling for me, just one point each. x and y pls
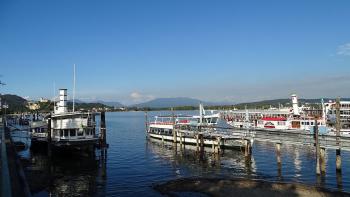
(338, 160)
(338, 126)
(103, 129)
(201, 141)
(175, 135)
(213, 145)
(318, 170)
(247, 148)
(323, 160)
(218, 139)
(93, 115)
(49, 139)
(180, 139)
(278, 152)
(197, 142)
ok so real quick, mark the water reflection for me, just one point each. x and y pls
(297, 164)
(64, 173)
(203, 163)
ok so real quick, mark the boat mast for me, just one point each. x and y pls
(200, 113)
(73, 87)
(54, 96)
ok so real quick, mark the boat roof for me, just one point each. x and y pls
(70, 114)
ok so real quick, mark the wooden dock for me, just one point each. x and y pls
(227, 137)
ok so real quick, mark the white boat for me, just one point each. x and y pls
(294, 118)
(38, 131)
(71, 129)
(163, 127)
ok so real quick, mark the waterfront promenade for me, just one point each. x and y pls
(13, 181)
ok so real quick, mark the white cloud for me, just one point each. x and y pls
(344, 49)
(138, 97)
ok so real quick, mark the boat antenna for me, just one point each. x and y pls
(73, 87)
(54, 96)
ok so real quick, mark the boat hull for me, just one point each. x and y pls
(225, 143)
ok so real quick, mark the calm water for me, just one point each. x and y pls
(134, 164)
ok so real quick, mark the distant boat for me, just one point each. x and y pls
(294, 118)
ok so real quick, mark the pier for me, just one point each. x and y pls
(221, 138)
(13, 179)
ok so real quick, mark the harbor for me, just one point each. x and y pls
(174, 98)
(294, 159)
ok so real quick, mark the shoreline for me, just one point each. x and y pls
(240, 187)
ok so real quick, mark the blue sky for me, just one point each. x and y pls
(132, 51)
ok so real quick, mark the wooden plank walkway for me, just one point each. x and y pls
(296, 137)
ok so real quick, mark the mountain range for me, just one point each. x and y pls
(176, 102)
(17, 103)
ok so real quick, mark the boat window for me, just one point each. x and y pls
(72, 132)
(61, 133)
(65, 133)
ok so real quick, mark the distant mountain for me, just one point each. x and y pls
(169, 102)
(75, 100)
(14, 102)
(106, 103)
(284, 102)
(86, 106)
(110, 103)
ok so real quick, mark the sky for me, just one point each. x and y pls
(133, 51)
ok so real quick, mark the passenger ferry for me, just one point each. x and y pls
(71, 129)
(163, 128)
(295, 118)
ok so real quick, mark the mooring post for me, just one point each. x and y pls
(212, 144)
(218, 144)
(201, 142)
(318, 170)
(338, 160)
(338, 126)
(49, 139)
(247, 148)
(278, 152)
(93, 115)
(175, 135)
(197, 142)
(323, 159)
(103, 128)
(180, 139)
(184, 140)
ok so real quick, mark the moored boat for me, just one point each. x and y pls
(185, 129)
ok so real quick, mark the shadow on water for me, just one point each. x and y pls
(64, 173)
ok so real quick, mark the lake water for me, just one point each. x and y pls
(135, 163)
